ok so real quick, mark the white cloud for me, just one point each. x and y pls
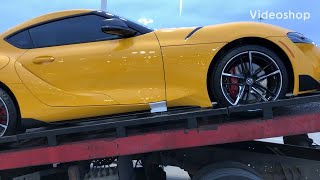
(145, 21)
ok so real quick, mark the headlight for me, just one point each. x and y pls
(299, 38)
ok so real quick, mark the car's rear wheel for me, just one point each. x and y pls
(8, 115)
(248, 74)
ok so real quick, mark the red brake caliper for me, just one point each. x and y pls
(233, 89)
(3, 116)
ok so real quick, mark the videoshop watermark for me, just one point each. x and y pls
(285, 15)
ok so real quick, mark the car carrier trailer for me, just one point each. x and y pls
(209, 144)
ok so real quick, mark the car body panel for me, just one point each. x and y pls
(310, 56)
(304, 58)
(125, 75)
(8, 73)
(186, 68)
(4, 61)
(32, 108)
(122, 71)
(212, 34)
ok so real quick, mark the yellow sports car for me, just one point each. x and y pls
(77, 64)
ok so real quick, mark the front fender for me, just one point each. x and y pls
(223, 33)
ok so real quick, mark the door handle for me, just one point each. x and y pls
(43, 59)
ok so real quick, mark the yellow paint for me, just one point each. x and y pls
(117, 76)
(125, 71)
(32, 108)
(221, 33)
(4, 60)
(186, 69)
(306, 60)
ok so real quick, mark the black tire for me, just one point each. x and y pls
(7, 103)
(227, 170)
(215, 76)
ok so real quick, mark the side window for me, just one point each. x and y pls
(21, 40)
(74, 30)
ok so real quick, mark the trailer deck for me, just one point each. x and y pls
(145, 133)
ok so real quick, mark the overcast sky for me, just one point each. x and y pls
(166, 13)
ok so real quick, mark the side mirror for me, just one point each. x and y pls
(117, 27)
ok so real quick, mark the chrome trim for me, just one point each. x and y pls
(158, 107)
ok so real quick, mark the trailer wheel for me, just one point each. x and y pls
(227, 170)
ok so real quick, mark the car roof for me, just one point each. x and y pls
(44, 18)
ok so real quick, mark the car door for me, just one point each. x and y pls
(75, 64)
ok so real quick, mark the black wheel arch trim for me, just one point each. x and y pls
(307, 83)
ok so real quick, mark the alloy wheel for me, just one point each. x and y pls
(4, 117)
(251, 77)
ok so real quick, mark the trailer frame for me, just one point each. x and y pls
(125, 139)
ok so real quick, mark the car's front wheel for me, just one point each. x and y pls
(248, 74)
(8, 115)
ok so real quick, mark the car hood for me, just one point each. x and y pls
(217, 33)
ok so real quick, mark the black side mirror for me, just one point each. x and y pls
(117, 27)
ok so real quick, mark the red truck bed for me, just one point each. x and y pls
(178, 129)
